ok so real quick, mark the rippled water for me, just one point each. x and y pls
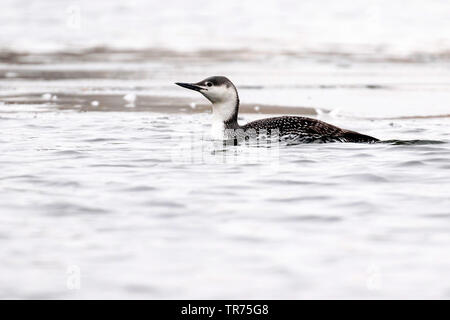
(110, 193)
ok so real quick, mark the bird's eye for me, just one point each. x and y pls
(209, 84)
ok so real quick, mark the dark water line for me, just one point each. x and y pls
(412, 142)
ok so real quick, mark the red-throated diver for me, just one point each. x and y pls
(225, 104)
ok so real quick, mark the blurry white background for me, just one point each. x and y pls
(93, 205)
(381, 27)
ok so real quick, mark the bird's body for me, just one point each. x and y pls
(303, 129)
(225, 104)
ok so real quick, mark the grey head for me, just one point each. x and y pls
(223, 95)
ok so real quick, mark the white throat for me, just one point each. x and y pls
(222, 112)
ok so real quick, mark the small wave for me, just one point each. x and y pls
(411, 142)
(299, 199)
(438, 160)
(110, 165)
(437, 215)
(288, 182)
(69, 208)
(310, 218)
(141, 188)
(165, 204)
(412, 163)
(100, 140)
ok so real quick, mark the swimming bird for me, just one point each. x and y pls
(223, 95)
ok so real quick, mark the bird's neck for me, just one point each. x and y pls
(224, 117)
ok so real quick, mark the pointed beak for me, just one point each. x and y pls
(189, 86)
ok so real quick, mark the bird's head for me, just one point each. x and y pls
(217, 89)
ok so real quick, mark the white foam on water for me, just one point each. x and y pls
(130, 97)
